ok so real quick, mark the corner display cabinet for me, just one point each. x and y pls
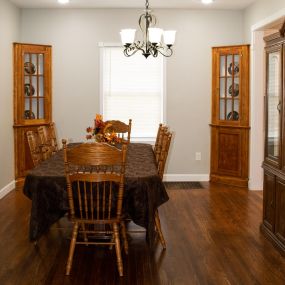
(32, 98)
(230, 115)
(273, 226)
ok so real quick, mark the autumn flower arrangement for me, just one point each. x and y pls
(102, 132)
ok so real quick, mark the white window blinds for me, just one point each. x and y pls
(132, 88)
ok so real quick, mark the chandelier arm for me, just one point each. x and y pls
(165, 51)
(134, 48)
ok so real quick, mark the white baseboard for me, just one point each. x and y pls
(255, 185)
(7, 189)
(186, 177)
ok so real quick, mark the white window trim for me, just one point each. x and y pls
(150, 140)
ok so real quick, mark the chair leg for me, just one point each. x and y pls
(158, 227)
(118, 249)
(71, 248)
(124, 235)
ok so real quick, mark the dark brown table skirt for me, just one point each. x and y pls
(144, 192)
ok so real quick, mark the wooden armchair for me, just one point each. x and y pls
(95, 185)
(35, 147)
(120, 128)
(48, 138)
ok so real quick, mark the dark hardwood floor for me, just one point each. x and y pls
(212, 237)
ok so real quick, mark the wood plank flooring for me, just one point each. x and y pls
(212, 237)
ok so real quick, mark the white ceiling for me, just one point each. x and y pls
(192, 4)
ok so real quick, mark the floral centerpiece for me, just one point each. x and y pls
(102, 132)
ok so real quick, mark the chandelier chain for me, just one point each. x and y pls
(146, 4)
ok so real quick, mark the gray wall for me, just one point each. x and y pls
(9, 31)
(75, 34)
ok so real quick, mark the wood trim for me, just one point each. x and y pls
(233, 181)
(227, 126)
(273, 238)
(282, 30)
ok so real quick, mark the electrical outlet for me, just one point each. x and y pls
(198, 156)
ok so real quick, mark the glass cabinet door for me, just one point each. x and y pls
(229, 96)
(34, 91)
(274, 103)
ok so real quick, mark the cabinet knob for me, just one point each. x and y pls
(271, 204)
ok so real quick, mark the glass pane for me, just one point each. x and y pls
(35, 85)
(30, 63)
(236, 63)
(222, 65)
(222, 87)
(229, 64)
(229, 109)
(222, 109)
(41, 63)
(41, 86)
(229, 86)
(233, 88)
(236, 106)
(41, 108)
(28, 113)
(232, 65)
(273, 93)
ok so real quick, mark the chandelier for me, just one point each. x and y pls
(151, 43)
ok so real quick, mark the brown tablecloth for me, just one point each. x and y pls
(144, 192)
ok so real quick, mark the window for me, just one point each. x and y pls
(132, 88)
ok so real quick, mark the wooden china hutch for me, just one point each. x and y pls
(230, 115)
(273, 225)
(32, 98)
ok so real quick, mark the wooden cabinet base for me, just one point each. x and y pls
(233, 181)
(273, 239)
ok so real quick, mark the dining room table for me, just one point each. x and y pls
(144, 191)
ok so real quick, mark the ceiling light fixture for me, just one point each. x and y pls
(207, 1)
(63, 1)
(151, 43)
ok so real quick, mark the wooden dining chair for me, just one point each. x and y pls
(166, 140)
(47, 135)
(166, 136)
(95, 186)
(120, 128)
(162, 129)
(35, 147)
